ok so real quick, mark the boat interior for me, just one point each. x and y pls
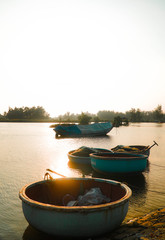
(53, 191)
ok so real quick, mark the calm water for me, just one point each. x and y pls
(27, 149)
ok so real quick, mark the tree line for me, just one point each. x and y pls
(118, 118)
(25, 114)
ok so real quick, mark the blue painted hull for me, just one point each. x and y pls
(91, 130)
(118, 162)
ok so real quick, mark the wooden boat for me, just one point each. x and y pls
(118, 162)
(45, 209)
(81, 155)
(139, 149)
(90, 130)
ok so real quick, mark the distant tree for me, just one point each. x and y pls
(158, 114)
(84, 118)
(146, 116)
(109, 115)
(16, 113)
(134, 115)
(117, 121)
(2, 117)
(38, 113)
(25, 113)
(96, 119)
(125, 121)
(138, 115)
(106, 115)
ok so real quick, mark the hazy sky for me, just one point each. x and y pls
(82, 55)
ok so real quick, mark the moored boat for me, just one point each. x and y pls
(89, 130)
(45, 206)
(118, 162)
(82, 154)
(137, 149)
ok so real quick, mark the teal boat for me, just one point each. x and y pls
(137, 149)
(89, 130)
(118, 162)
(56, 208)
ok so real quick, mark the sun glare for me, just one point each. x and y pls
(60, 169)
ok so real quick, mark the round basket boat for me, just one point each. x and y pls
(118, 162)
(135, 149)
(44, 208)
(84, 157)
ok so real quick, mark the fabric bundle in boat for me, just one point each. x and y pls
(121, 148)
(92, 197)
(83, 151)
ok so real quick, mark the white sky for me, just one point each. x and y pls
(82, 55)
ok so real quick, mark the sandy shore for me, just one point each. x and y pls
(149, 226)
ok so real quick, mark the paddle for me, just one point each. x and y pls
(155, 143)
(55, 172)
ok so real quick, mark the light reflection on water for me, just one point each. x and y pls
(28, 149)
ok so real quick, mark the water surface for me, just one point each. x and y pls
(27, 149)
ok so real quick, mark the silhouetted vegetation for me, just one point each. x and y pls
(117, 118)
(84, 118)
(25, 114)
(118, 121)
(158, 114)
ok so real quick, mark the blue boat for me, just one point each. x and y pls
(90, 130)
(118, 162)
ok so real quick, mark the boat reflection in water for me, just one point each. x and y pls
(31, 233)
(83, 169)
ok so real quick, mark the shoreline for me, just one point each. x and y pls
(147, 227)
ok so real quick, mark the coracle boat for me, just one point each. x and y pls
(47, 207)
(82, 154)
(89, 130)
(138, 149)
(118, 162)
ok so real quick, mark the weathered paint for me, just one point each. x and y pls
(77, 220)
